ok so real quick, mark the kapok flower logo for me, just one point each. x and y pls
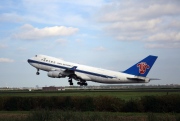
(143, 67)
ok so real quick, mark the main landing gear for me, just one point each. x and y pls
(70, 81)
(37, 73)
(82, 83)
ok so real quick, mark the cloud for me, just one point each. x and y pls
(6, 60)
(22, 49)
(132, 31)
(130, 11)
(56, 12)
(11, 17)
(79, 40)
(28, 32)
(61, 41)
(162, 45)
(3, 46)
(150, 21)
(100, 48)
(171, 37)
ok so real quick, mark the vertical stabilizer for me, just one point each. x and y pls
(143, 67)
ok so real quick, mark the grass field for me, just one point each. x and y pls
(123, 94)
(46, 115)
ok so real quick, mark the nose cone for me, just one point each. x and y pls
(32, 63)
(28, 61)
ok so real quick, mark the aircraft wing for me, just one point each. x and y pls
(64, 72)
(70, 70)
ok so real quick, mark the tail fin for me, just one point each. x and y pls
(143, 67)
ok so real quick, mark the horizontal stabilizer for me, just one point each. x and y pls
(154, 79)
(136, 79)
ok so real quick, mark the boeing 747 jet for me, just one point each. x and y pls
(57, 68)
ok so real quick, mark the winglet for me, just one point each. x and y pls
(143, 67)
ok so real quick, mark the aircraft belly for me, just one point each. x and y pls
(104, 80)
(47, 68)
(35, 65)
(44, 67)
(83, 76)
(120, 80)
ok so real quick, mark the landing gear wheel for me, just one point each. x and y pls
(37, 73)
(70, 81)
(82, 83)
(85, 84)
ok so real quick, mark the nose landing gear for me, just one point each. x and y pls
(37, 73)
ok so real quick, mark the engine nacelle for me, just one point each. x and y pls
(56, 74)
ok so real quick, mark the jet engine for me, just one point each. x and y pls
(56, 74)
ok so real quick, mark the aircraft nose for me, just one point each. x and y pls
(28, 61)
(32, 62)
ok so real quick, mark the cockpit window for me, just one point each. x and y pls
(35, 55)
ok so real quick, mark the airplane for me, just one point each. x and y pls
(57, 68)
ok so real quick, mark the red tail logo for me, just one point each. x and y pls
(142, 67)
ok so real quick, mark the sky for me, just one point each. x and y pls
(109, 34)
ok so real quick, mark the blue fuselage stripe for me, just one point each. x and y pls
(62, 67)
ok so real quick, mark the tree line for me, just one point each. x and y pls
(166, 103)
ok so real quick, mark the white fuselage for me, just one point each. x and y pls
(87, 73)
